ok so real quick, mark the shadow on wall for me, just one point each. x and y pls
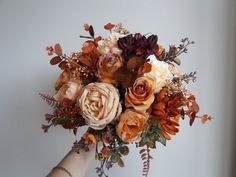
(232, 20)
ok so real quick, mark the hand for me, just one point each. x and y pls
(76, 164)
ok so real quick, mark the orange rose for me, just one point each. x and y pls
(131, 125)
(70, 90)
(107, 65)
(63, 78)
(141, 95)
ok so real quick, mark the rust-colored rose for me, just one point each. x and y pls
(71, 90)
(63, 78)
(141, 95)
(107, 65)
(131, 125)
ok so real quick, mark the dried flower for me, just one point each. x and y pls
(50, 50)
(160, 71)
(131, 124)
(86, 27)
(125, 88)
(137, 45)
(99, 104)
(109, 45)
(141, 95)
(70, 90)
(107, 65)
(167, 109)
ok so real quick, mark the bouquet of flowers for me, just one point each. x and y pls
(126, 88)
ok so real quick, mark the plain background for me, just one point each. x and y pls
(28, 26)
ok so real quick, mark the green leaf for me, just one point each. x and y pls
(115, 157)
(177, 61)
(124, 150)
(162, 140)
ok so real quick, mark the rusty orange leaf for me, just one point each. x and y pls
(109, 26)
(206, 118)
(147, 67)
(86, 27)
(55, 60)
(50, 50)
(159, 50)
(97, 39)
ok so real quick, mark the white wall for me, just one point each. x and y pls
(27, 26)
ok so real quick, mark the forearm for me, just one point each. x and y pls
(76, 164)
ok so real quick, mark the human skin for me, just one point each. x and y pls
(75, 163)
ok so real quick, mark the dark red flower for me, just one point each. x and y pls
(137, 45)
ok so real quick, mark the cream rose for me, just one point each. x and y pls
(71, 90)
(109, 45)
(141, 95)
(99, 104)
(131, 125)
(160, 71)
(107, 65)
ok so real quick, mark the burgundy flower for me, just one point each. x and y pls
(138, 45)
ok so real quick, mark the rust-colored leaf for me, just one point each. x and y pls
(166, 136)
(55, 60)
(206, 118)
(134, 63)
(63, 65)
(86, 27)
(58, 49)
(50, 50)
(159, 50)
(147, 67)
(88, 47)
(121, 163)
(109, 26)
(97, 39)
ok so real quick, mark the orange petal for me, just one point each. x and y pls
(166, 136)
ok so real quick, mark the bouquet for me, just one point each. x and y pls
(126, 88)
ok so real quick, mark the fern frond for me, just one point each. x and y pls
(49, 100)
(146, 157)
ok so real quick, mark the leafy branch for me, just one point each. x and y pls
(49, 100)
(174, 52)
(146, 157)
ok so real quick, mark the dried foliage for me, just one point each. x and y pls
(206, 118)
(146, 158)
(65, 114)
(49, 100)
(173, 53)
